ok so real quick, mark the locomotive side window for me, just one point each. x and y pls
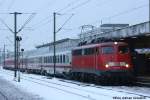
(108, 50)
(123, 49)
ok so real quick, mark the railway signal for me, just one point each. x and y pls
(22, 50)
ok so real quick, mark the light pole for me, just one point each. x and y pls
(15, 42)
(54, 58)
(54, 33)
(149, 16)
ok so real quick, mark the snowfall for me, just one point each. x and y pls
(59, 89)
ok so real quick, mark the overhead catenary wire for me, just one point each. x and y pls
(11, 4)
(9, 7)
(65, 23)
(42, 22)
(9, 39)
(79, 5)
(28, 20)
(2, 2)
(46, 19)
(3, 22)
(121, 13)
(128, 11)
(68, 5)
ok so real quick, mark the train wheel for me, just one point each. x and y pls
(97, 79)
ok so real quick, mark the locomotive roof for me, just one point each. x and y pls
(99, 44)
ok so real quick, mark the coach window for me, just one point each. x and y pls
(40, 59)
(56, 59)
(67, 59)
(60, 58)
(63, 58)
(108, 50)
(45, 59)
(49, 59)
(52, 59)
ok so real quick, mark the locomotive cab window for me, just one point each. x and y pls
(108, 50)
(123, 49)
(89, 51)
(77, 52)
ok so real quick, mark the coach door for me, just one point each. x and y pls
(96, 58)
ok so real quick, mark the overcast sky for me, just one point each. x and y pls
(85, 12)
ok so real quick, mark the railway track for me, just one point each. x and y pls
(143, 81)
(92, 85)
(49, 84)
(85, 85)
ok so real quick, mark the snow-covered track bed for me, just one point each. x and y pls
(83, 90)
(3, 96)
(125, 89)
(64, 88)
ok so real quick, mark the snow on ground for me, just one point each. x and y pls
(54, 89)
(9, 91)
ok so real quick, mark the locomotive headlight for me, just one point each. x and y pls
(106, 65)
(115, 43)
(127, 65)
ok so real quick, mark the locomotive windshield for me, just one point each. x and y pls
(108, 50)
(123, 49)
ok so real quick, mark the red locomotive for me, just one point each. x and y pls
(100, 62)
(104, 61)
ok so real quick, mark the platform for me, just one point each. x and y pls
(8, 91)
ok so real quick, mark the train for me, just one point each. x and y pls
(100, 63)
